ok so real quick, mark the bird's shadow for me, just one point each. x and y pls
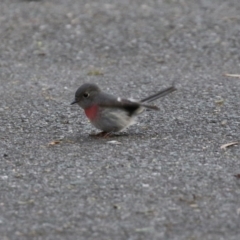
(87, 138)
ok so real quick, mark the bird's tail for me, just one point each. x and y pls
(160, 94)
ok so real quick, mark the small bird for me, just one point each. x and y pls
(109, 113)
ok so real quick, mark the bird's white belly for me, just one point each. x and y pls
(112, 120)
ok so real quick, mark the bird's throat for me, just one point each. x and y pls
(91, 112)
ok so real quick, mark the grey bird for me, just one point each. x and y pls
(109, 113)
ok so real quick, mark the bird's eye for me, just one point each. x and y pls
(85, 95)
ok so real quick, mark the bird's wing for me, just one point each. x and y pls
(130, 106)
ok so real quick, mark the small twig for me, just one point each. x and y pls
(224, 146)
(232, 75)
(55, 142)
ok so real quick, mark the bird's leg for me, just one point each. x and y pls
(102, 134)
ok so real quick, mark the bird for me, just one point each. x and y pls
(109, 113)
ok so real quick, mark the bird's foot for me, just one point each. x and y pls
(101, 134)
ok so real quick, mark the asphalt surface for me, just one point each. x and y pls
(163, 178)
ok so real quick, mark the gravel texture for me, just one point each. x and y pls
(163, 178)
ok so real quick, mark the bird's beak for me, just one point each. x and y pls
(73, 102)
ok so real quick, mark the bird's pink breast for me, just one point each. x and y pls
(91, 112)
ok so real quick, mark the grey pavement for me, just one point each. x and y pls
(163, 178)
